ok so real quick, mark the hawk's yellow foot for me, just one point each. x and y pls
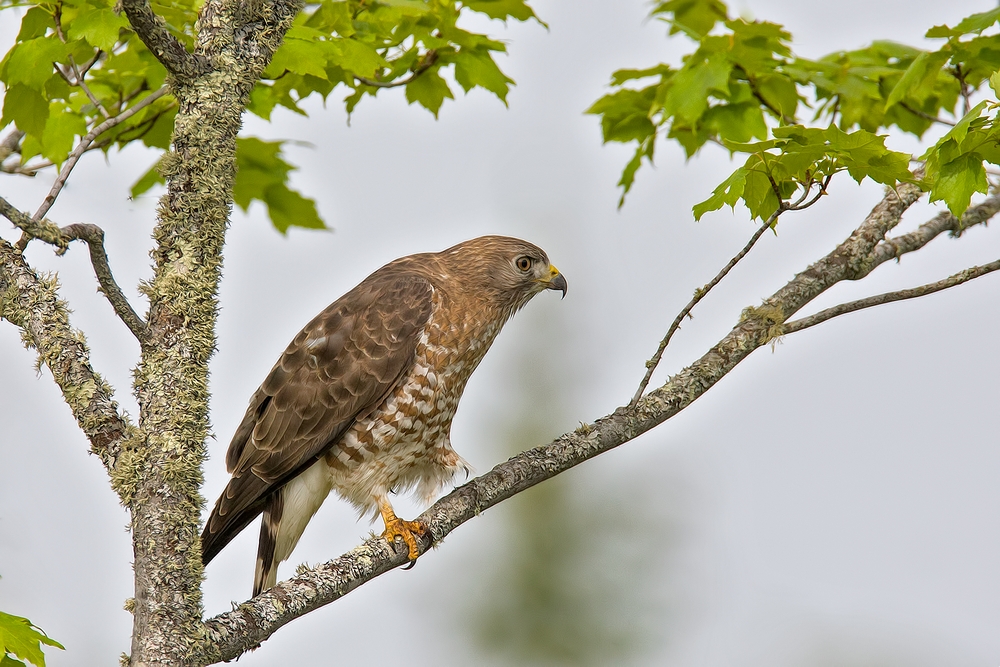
(396, 527)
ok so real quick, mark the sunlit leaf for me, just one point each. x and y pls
(22, 639)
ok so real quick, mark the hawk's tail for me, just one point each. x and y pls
(266, 573)
(286, 513)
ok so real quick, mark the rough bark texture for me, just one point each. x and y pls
(31, 302)
(162, 478)
(229, 635)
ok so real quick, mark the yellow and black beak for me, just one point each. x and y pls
(555, 280)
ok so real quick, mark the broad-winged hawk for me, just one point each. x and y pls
(362, 400)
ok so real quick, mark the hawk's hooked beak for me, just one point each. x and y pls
(555, 280)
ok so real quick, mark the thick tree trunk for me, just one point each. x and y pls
(172, 379)
(162, 477)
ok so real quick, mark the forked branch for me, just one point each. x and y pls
(798, 205)
(153, 32)
(81, 148)
(31, 302)
(94, 237)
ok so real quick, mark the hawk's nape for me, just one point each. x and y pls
(362, 400)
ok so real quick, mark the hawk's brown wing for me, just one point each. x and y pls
(338, 369)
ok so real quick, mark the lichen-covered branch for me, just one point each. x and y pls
(171, 381)
(229, 635)
(153, 32)
(31, 302)
(94, 236)
(896, 247)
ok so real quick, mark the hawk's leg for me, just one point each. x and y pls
(396, 527)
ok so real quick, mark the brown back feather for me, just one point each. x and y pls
(338, 369)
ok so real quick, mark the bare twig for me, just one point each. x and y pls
(926, 116)
(86, 89)
(94, 237)
(425, 64)
(81, 148)
(698, 296)
(888, 297)
(32, 169)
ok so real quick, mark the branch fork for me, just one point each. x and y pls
(60, 237)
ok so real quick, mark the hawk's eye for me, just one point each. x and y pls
(523, 263)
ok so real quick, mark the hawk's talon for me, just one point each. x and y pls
(408, 531)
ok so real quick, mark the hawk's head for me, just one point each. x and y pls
(506, 270)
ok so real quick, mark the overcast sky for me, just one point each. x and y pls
(834, 501)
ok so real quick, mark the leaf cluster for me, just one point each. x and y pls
(811, 118)
(73, 65)
(77, 63)
(367, 45)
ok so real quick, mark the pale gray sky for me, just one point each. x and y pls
(834, 501)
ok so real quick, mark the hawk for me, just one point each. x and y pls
(361, 401)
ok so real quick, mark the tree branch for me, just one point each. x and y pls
(81, 148)
(888, 297)
(31, 302)
(94, 237)
(896, 247)
(11, 144)
(153, 32)
(228, 635)
(926, 116)
(698, 296)
(425, 64)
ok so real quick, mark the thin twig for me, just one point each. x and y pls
(57, 17)
(844, 308)
(787, 120)
(32, 169)
(926, 116)
(799, 206)
(964, 87)
(698, 296)
(47, 231)
(86, 89)
(11, 144)
(425, 64)
(81, 148)
(94, 237)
